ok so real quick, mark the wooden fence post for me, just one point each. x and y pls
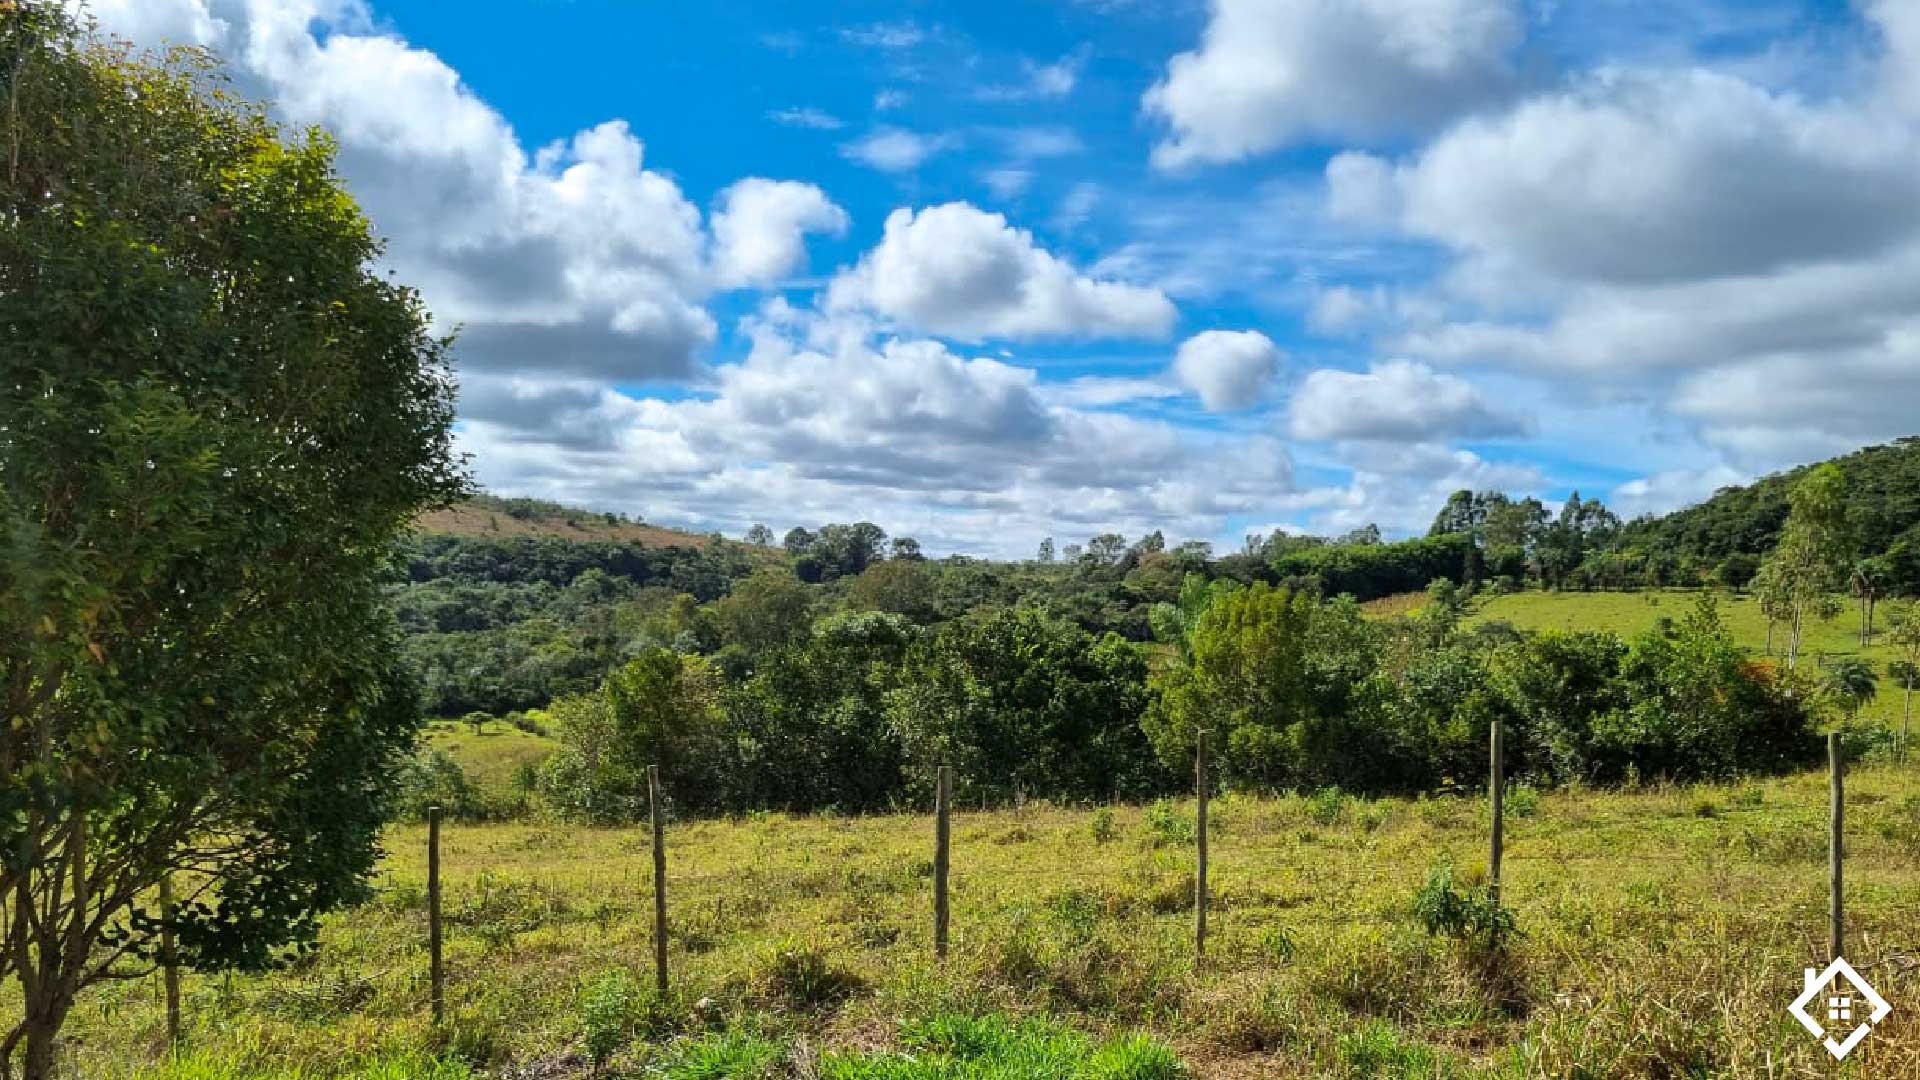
(1836, 845)
(1498, 793)
(437, 972)
(170, 962)
(659, 878)
(1200, 785)
(942, 854)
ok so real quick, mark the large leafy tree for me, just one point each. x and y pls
(663, 708)
(215, 418)
(1019, 701)
(1271, 672)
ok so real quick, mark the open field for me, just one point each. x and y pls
(1631, 613)
(491, 755)
(1663, 934)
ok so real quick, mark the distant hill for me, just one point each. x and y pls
(1883, 510)
(491, 516)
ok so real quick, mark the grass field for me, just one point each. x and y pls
(1635, 612)
(1662, 935)
(491, 755)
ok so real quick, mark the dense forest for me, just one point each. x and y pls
(821, 671)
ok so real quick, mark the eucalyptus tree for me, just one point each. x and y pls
(1800, 579)
(1905, 635)
(215, 419)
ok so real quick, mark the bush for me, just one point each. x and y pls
(432, 779)
(608, 1006)
(1326, 805)
(799, 976)
(1167, 825)
(730, 1055)
(1472, 916)
(1101, 826)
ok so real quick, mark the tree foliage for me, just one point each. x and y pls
(215, 417)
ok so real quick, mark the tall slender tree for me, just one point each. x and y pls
(1802, 577)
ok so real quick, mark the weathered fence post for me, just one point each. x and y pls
(1498, 792)
(170, 971)
(659, 878)
(437, 972)
(942, 854)
(1200, 785)
(1836, 845)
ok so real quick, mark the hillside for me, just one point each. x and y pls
(490, 516)
(1883, 509)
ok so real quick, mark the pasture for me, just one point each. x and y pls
(1662, 933)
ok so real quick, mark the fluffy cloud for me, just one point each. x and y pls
(1741, 259)
(1229, 369)
(1899, 25)
(1399, 486)
(759, 230)
(967, 453)
(896, 149)
(573, 260)
(1271, 72)
(1396, 401)
(1643, 177)
(961, 272)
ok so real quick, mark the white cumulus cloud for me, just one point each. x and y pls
(1229, 369)
(760, 228)
(960, 272)
(1273, 72)
(1395, 401)
(1635, 177)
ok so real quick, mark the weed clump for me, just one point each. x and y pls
(608, 1007)
(799, 977)
(1472, 916)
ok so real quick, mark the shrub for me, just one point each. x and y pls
(433, 778)
(1326, 805)
(1101, 826)
(1473, 916)
(1376, 1051)
(799, 976)
(608, 1005)
(1522, 800)
(1167, 825)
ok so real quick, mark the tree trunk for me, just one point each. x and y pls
(1793, 641)
(1906, 719)
(43, 1029)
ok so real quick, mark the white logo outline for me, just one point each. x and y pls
(1816, 985)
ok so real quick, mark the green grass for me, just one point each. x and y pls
(1631, 613)
(491, 756)
(1660, 933)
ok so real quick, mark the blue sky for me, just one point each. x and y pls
(987, 272)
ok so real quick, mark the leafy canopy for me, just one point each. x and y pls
(215, 417)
